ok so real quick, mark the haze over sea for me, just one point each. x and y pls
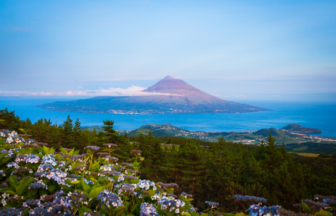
(314, 115)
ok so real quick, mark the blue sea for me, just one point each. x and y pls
(314, 115)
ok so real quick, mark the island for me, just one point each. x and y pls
(169, 96)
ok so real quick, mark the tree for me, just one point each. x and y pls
(110, 133)
(77, 134)
(67, 133)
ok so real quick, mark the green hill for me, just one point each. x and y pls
(299, 129)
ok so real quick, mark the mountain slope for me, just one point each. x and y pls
(172, 85)
(168, 96)
(299, 129)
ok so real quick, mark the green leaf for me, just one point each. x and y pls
(160, 211)
(3, 155)
(5, 160)
(9, 191)
(71, 152)
(305, 207)
(95, 192)
(13, 183)
(119, 212)
(88, 152)
(45, 150)
(83, 209)
(228, 214)
(51, 188)
(26, 212)
(323, 213)
(135, 206)
(43, 192)
(86, 187)
(240, 214)
(23, 186)
(63, 151)
(152, 192)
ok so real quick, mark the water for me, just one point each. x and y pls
(314, 115)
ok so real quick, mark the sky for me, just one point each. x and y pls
(237, 50)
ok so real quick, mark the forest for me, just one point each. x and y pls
(215, 171)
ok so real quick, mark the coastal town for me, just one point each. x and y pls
(243, 137)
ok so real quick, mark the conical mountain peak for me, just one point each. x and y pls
(169, 77)
(175, 86)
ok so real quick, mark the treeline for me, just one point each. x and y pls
(209, 171)
(67, 135)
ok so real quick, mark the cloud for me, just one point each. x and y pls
(131, 91)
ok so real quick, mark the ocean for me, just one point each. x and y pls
(315, 115)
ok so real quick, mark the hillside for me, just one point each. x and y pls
(161, 130)
(295, 128)
(168, 96)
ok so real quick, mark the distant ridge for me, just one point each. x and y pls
(170, 96)
(299, 129)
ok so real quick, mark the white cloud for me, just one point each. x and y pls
(131, 91)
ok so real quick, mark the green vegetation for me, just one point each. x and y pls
(311, 147)
(168, 130)
(299, 129)
(209, 171)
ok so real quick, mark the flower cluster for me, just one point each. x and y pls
(49, 159)
(256, 210)
(315, 205)
(253, 199)
(36, 186)
(13, 164)
(146, 184)
(110, 199)
(93, 148)
(331, 200)
(31, 158)
(127, 189)
(148, 209)
(212, 204)
(54, 174)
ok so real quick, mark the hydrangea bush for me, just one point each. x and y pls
(36, 180)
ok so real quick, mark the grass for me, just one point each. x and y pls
(307, 154)
(300, 149)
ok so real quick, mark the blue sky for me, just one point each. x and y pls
(232, 49)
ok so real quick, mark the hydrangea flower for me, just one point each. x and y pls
(49, 159)
(147, 209)
(256, 210)
(110, 199)
(107, 168)
(146, 184)
(253, 199)
(212, 204)
(13, 164)
(31, 158)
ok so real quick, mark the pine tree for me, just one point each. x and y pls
(67, 133)
(77, 134)
(110, 133)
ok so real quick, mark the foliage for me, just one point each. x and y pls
(209, 171)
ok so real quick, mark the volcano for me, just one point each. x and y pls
(169, 96)
(174, 86)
